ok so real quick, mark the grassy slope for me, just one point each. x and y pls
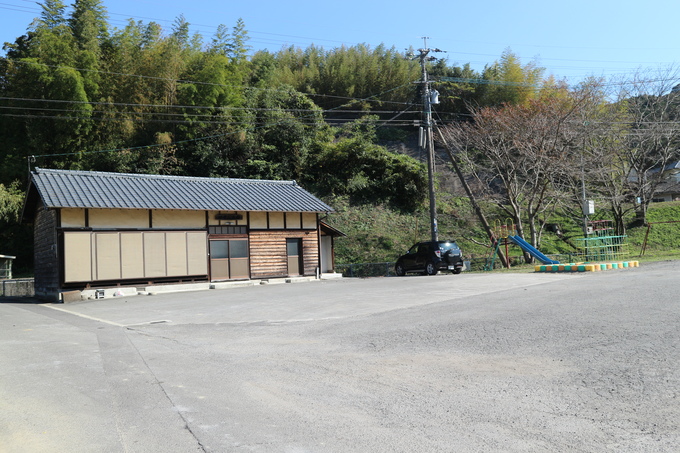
(663, 241)
(377, 234)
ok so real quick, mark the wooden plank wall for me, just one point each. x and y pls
(268, 256)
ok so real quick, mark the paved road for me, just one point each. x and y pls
(473, 362)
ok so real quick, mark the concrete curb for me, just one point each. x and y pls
(585, 267)
(151, 290)
(226, 285)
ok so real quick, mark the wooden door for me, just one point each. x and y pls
(219, 259)
(294, 252)
(229, 259)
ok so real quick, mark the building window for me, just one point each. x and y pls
(227, 230)
(229, 259)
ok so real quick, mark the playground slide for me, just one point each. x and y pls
(524, 245)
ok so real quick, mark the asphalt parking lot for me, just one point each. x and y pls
(524, 362)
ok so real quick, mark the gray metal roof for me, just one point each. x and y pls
(89, 189)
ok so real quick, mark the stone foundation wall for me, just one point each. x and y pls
(17, 288)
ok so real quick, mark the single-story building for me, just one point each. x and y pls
(98, 229)
(668, 179)
(669, 188)
(667, 191)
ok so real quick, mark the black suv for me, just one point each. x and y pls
(431, 257)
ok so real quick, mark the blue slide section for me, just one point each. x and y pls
(524, 245)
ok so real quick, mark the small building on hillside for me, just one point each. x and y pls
(667, 191)
(97, 229)
(669, 188)
(668, 178)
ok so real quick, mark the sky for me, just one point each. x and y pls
(571, 40)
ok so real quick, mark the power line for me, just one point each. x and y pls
(223, 85)
(269, 38)
(195, 121)
(255, 36)
(438, 79)
(172, 106)
(184, 141)
(18, 8)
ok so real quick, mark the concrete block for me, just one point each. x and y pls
(236, 284)
(108, 292)
(299, 279)
(181, 287)
(71, 296)
(273, 281)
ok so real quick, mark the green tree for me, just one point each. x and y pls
(262, 70)
(352, 164)
(520, 155)
(237, 46)
(49, 111)
(508, 81)
(284, 123)
(51, 39)
(15, 238)
(89, 27)
(220, 42)
(344, 73)
(52, 15)
(654, 107)
(599, 160)
(458, 86)
(88, 23)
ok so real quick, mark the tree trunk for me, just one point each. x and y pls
(473, 200)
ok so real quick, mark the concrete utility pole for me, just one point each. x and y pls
(426, 141)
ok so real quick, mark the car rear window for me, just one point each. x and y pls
(446, 246)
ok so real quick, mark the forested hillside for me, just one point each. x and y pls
(77, 93)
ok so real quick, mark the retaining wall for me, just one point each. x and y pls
(17, 288)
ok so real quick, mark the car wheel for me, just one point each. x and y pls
(399, 270)
(430, 269)
(457, 270)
